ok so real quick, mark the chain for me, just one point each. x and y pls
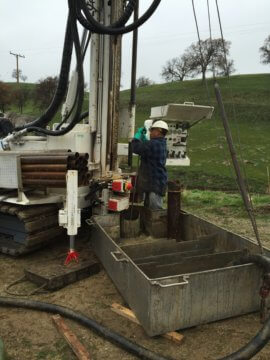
(91, 5)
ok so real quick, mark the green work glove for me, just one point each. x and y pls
(141, 134)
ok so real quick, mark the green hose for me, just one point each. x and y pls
(2, 350)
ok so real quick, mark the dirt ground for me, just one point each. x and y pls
(30, 335)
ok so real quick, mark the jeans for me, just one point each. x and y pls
(153, 201)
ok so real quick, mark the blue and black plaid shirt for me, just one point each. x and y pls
(152, 173)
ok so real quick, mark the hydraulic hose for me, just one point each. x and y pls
(245, 353)
(91, 24)
(83, 50)
(119, 340)
(80, 88)
(45, 118)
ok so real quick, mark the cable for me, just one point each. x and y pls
(200, 49)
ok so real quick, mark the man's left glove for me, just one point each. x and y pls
(141, 134)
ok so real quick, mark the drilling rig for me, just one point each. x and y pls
(47, 175)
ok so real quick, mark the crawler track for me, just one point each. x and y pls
(26, 228)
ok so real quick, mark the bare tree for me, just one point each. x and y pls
(209, 55)
(24, 78)
(5, 96)
(176, 69)
(144, 81)
(265, 51)
(44, 91)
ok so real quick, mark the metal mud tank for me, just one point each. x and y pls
(171, 284)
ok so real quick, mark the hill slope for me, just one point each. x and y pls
(247, 102)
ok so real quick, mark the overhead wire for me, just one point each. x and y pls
(200, 50)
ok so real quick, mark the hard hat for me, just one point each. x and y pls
(160, 124)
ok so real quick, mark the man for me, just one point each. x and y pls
(152, 177)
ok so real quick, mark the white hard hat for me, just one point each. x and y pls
(160, 124)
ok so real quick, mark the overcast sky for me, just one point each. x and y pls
(35, 29)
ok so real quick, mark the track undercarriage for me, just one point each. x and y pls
(25, 229)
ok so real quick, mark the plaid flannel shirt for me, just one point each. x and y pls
(152, 173)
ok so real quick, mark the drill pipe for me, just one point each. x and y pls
(44, 175)
(44, 182)
(44, 167)
(59, 159)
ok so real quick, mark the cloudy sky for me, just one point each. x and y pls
(35, 29)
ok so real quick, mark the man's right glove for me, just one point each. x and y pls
(141, 134)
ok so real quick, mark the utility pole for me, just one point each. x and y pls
(17, 64)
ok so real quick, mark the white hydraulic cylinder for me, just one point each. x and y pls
(70, 216)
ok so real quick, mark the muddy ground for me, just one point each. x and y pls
(30, 335)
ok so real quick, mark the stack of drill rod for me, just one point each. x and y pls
(50, 169)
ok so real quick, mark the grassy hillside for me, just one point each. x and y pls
(247, 102)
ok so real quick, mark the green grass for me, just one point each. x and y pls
(246, 100)
(220, 203)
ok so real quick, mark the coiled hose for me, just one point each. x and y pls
(245, 353)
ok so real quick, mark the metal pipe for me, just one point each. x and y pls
(174, 205)
(240, 180)
(58, 159)
(44, 175)
(44, 167)
(44, 182)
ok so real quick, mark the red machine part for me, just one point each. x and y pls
(72, 255)
(118, 203)
(121, 185)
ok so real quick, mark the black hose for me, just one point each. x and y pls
(119, 340)
(80, 88)
(91, 24)
(84, 115)
(245, 353)
(66, 117)
(263, 336)
(45, 118)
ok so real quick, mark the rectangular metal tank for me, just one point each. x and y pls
(174, 285)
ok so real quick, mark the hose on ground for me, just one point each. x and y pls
(245, 353)
(263, 336)
(119, 340)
